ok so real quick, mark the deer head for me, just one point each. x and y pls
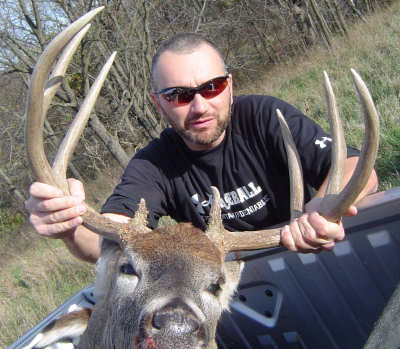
(167, 287)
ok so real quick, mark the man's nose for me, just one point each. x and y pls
(198, 104)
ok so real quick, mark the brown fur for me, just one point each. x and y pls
(180, 238)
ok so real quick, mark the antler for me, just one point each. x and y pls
(334, 203)
(42, 90)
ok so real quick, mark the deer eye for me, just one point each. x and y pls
(215, 287)
(127, 269)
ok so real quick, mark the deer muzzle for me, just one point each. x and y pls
(173, 325)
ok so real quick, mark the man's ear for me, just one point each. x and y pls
(156, 101)
(231, 87)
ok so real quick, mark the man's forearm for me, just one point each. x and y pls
(84, 244)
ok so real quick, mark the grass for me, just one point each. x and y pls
(37, 274)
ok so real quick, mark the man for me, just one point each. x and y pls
(232, 143)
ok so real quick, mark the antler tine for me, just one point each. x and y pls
(295, 171)
(75, 130)
(34, 106)
(91, 219)
(333, 207)
(58, 72)
(339, 149)
(215, 229)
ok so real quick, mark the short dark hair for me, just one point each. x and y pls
(182, 43)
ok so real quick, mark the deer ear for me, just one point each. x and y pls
(68, 326)
(232, 271)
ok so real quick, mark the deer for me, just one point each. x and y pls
(167, 287)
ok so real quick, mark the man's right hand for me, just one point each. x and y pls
(52, 213)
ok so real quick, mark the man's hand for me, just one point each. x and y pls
(52, 213)
(311, 232)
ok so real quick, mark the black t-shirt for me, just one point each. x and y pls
(249, 168)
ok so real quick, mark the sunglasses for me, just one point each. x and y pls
(183, 95)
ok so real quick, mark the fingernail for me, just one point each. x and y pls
(77, 221)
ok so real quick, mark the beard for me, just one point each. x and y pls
(202, 137)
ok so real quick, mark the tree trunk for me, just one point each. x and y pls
(340, 17)
(333, 13)
(110, 141)
(321, 21)
(357, 11)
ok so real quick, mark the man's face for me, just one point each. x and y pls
(202, 122)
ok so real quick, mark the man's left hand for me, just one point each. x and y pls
(311, 232)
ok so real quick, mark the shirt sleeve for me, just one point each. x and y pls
(141, 179)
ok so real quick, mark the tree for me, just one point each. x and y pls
(122, 95)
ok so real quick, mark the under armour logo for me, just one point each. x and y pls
(199, 205)
(322, 142)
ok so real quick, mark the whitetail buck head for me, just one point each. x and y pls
(166, 288)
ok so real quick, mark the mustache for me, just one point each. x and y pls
(199, 117)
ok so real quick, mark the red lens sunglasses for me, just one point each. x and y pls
(183, 95)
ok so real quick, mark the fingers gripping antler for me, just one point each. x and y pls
(335, 203)
(40, 94)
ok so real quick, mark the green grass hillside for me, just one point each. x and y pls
(37, 275)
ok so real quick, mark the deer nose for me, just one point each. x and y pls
(176, 318)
